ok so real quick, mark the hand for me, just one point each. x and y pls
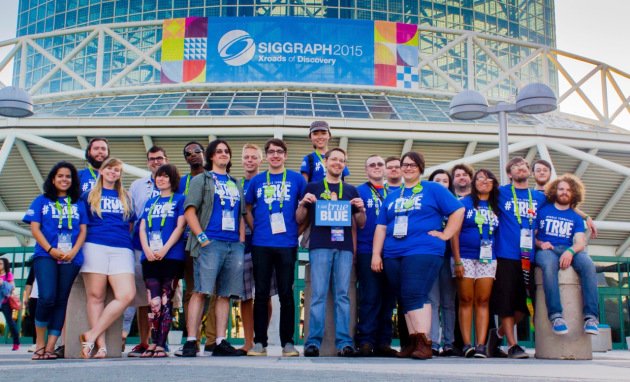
(546, 245)
(459, 269)
(591, 227)
(309, 198)
(159, 255)
(56, 254)
(377, 264)
(149, 255)
(358, 203)
(566, 259)
(205, 243)
(439, 234)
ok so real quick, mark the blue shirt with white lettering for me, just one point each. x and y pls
(373, 198)
(508, 236)
(426, 213)
(469, 237)
(158, 208)
(558, 226)
(112, 228)
(86, 179)
(318, 171)
(47, 213)
(293, 192)
(225, 188)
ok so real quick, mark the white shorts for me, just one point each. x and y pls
(107, 260)
(474, 269)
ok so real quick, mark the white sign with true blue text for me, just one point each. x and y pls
(333, 213)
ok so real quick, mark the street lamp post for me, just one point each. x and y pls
(15, 103)
(534, 98)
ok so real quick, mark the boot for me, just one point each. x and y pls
(407, 350)
(423, 347)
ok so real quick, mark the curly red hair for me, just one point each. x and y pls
(577, 189)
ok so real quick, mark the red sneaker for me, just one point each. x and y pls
(16, 347)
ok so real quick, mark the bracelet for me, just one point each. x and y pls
(586, 217)
(571, 251)
(49, 249)
(202, 238)
(459, 263)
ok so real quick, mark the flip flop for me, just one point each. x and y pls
(101, 353)
(160, 353)
(51, 355)
(86, 347)
(149, 353)
(39, 355)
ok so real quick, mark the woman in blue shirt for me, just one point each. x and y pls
(108, 255)
(409, 244)
(161, 228)
(58, 222)
(474, 263)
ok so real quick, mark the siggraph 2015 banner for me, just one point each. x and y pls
(290, 49)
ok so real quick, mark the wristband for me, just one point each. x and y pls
(49, 249)
(459, 263)
(571, 251)
(202, 238)
(586, 217)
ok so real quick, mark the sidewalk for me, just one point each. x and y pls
(17, 366)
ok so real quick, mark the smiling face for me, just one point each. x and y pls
(251, 160)
(155, 160)
(221, 156)
(62, 180)
(442, 179)
(461, 178)
(98, 152)
(163, 182)
(519, 172)
(483, 184)
(111, 174)
(410, 170)
(375, 168)
(320, 139)
(276, 156)
(542, 174)
(335, 163)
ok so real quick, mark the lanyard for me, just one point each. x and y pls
(326, 194)
(322, 161)
(409, 201)
(377, 197)
(480, 220)
(69, 213)
(187, 183)
(530, 210)
(92, 172)
(163, 213)
(282, 188)
(229, 185)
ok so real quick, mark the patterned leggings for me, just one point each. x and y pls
(160, 293)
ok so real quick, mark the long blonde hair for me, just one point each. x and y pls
(94, 198)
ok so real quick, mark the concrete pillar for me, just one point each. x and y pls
(574, 345)
(77, 323)
(328, 348)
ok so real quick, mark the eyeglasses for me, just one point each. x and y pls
(191, 153)
(409, 165)
(376, 164)
(393, 167)
(155, 159)
(222, 151)
(273, 152)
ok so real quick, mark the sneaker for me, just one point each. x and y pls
(468, 350)
(311, 351)
(384, 351)
(480, 351)
(188, 350)
(517, 352)
(32, 348)
(60, 352)
(435, 352)
(289, 350)
(494, 341)
(224, 349)
(257, 350)
(15, 347)
(591, 326)
(138, 350)
(447, 351)
(347, 351)
(209, 347)
(365, 350)
(559, 326)
(497, 353)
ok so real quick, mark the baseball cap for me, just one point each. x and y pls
(319, 126)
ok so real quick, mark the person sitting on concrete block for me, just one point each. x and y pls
(561, 241)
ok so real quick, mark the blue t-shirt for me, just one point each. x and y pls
(175, 210)
(86, 179)
(469, 237)
(372, 199)
(558, 226)
(182, 184)
(429, 208)
(321, 236)
(46, 212)
(112, 229)
(293, 192)
(318, 171)
(248, 231)
(508, 236)
(224, 187)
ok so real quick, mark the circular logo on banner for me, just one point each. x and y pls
(236, 47)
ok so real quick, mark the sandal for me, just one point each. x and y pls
(51, 355)
(86, 347)
(160, 353)
(39, 354)
(149, 353)
(101, 353)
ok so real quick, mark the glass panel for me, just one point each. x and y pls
(611, 313)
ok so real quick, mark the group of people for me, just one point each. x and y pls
(423, 246)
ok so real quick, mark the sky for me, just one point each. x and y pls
(589, 28)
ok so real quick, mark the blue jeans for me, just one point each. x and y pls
(376, 303)
(326, 264)
(549, 262)
(442, 296)
(8, 317)
(54, 282)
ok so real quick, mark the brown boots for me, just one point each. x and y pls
(419, 347)
(411, 346)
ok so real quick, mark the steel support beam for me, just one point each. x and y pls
(614, 199)
(30, 164)
(581, 169)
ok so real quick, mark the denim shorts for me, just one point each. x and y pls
(412, 277)
(219, 269)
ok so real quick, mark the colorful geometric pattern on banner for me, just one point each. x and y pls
(184, 50)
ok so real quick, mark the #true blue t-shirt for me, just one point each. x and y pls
(321, 235)
(293, 192)
(224, 188)
(426, 213)
(318, 171)
(160, 208)
(558, 226)
(508, 237)
(186, 179)
(112, 228)
(373, 198)
(469, 236)
(86, 179)
(47, 213)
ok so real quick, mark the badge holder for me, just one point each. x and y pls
(400, 226)
(277, 223)
(228, 223)
(485, 252)
(336, 234)
(155, 241)
(64, 244)
(526, 238)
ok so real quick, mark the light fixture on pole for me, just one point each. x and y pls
(15, 103)
(534, 98)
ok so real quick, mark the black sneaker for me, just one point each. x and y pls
(209, 347)
(60, 352)
(311, 351)
(384, 351)
(468, 350)
(517, 352)
(435, 352)
(188, 350)
(493, 342)
(224, 349)
(448, 351)
(481, 351)
(347, 351)
(365, 350)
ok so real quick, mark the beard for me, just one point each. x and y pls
(94, 163)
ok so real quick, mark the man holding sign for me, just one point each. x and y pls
(332, 207)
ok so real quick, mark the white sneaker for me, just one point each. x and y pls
(257, 350)
(289, 350)
(32, 348)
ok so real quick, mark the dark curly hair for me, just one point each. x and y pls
(74, 192)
